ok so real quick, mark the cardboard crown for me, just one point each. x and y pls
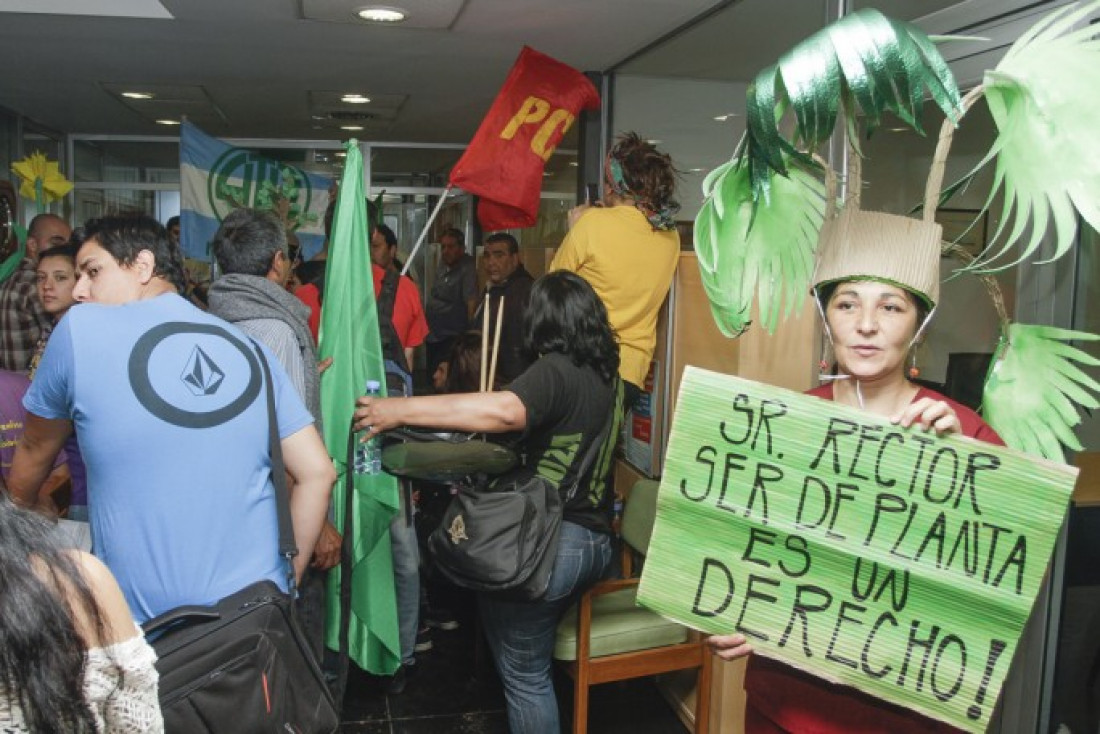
(862, 245)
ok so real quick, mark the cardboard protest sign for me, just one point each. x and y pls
(887, 559)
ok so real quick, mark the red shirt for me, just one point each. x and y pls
(311, 296)
(783, 699)
(408, 314)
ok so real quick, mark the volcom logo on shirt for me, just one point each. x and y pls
(202, 375)
(153, 380)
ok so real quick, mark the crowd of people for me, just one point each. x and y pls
(153, 409)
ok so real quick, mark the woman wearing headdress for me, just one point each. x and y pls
(876, 286)
(627, 248)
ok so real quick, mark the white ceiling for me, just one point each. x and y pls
(261, 68)
(276, 68)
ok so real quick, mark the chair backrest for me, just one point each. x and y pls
(639, 512)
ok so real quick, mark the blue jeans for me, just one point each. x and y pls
(406, 574)
(521, 634)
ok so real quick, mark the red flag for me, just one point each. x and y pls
(504, 162)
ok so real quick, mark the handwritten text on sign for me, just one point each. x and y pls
(887, 559)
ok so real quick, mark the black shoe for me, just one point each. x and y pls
(398, 681)
(441, 619)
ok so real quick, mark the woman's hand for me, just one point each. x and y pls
(929, 414)
(375, 415)
(729, 647)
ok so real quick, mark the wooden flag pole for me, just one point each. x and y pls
(484, 340)
(496, 345)
(427, 227)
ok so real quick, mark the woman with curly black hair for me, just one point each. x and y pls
(71, 659)
(627, 247)
(560, 405)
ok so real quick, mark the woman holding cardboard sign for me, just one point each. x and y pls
(876, 282)
(876, 286)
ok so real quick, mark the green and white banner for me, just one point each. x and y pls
(883, 558)
(216, 178)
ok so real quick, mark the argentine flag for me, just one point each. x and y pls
(216, 178)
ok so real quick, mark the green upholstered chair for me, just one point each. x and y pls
(606, 636)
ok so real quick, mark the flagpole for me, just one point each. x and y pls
(427, 226)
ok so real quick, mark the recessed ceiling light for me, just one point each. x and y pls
(355, 99)
(351, 127)
(696, 170)
(137, 95)
(168, 122)
(381, 14)
(653, 141)
(723, 118)
(574, 163)
(897, 129)
(341, 154)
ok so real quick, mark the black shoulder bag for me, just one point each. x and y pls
(243, 664)
(504, 537)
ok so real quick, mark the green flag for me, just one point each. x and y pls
(349, 334)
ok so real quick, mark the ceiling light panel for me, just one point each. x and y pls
(168, 101)
(327, 105)
(422, 14)
(379, 14)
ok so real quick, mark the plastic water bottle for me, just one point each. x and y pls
(368, 454)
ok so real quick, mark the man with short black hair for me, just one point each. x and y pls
(22, 318)
(510, 283)
(453, 298)
(398, 296)
(170, 407)
(252, 252)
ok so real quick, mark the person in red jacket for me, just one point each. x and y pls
(876, 287)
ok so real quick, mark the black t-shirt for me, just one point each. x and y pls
(567, 409)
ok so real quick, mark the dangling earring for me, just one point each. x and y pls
(914, 371)
(824, 363)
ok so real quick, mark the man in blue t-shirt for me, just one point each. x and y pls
(170, 407)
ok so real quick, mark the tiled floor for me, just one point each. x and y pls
(454, 693)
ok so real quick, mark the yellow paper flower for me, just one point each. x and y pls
(35, 168)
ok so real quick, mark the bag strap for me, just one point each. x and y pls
(287, 548)
(346, 553)
(594, 447)
(387, 301)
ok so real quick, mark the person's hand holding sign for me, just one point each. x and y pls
(929, 413)
(729, 647)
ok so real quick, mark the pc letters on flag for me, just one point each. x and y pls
(216, 178)
(504, 162)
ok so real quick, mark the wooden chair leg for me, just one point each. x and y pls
(580, 700)
(702, 693)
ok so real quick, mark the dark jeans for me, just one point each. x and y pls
(521, 634)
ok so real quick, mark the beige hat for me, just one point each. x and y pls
(860, 245)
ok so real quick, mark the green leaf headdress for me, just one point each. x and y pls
(751, 236)
(754, 243)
